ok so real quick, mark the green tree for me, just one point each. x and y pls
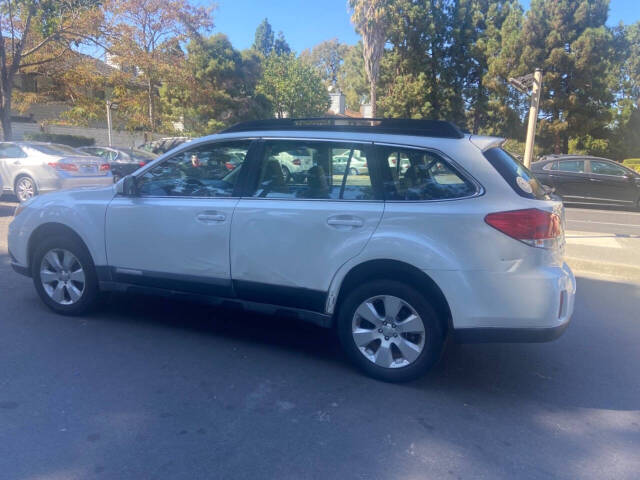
(624, 134)
(371, 19)
(327, 58)
(214, 86)
(293, 87)
(35, 33)
(264, 38)
(352, 79)
(280, 45)
(568, 39)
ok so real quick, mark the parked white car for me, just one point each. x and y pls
(30, 168)
(357, 165)
(458, 239)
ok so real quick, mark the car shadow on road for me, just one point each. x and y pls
(7, 210)
(593, 365)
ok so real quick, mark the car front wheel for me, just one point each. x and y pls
(390, 331)
(25, 188)
(64, 275)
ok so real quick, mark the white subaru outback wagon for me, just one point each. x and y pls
(446, 235)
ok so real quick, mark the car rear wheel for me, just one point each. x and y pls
(353, 171)
(64, 275)
(25, 188)
(390, 331)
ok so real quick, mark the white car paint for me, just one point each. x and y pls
(488, 279)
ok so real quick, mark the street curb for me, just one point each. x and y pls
(613, 269)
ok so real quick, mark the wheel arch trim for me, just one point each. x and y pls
(350, 274)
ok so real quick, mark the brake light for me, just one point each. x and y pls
(229, 165)
(537, 228)
(67, 167)
(297, 162)
(104, 167)
(142, 164)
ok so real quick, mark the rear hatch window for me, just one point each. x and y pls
(519, 177)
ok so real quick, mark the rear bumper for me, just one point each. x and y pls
(529, 305)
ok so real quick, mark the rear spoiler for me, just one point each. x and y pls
(485, 143)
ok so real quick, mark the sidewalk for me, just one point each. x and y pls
(604, 253)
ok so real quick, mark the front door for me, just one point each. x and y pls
(611, 183)
(292, 233)
(175, 233)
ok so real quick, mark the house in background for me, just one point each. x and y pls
(338, 106)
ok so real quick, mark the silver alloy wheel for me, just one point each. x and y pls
(62, 276)
(388, 331)
(25, 189)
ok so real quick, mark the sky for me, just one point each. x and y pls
(306, 23)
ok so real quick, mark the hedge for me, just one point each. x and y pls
(71, 140)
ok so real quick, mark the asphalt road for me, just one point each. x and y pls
(150, 389)
(615, 221)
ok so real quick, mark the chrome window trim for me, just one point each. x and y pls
(480, 190)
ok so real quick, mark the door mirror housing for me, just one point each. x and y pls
(127, 187)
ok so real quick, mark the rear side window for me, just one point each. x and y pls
(414, 175)
(573, 166)
(519, 177)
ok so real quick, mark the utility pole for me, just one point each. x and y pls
(524, 84)
(110, 105)
(533, 117)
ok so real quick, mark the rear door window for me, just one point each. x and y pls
(314, 170)
(571, 166)
(519, 177)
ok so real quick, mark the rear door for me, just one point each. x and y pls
(612, 183)
(571, 180)
(291, 234)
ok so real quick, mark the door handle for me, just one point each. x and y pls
(595, 180)
(211, 217)
(17, 162)
(345, 221)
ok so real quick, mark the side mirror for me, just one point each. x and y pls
(127, 187)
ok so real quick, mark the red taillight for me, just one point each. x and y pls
(104, 167)
(142, 164)
(296, 162)
(229, 165)
(67, 167)
(532, 226)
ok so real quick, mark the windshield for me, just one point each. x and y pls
(519, 177)
(55, 149)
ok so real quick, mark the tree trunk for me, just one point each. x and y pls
(152, 113)
(5, 117)
(373, 96)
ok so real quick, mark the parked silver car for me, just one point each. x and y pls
(30, 168)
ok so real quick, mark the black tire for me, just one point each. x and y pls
(89, 297)
(19, 180)
(434, 332)
(353, 171)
